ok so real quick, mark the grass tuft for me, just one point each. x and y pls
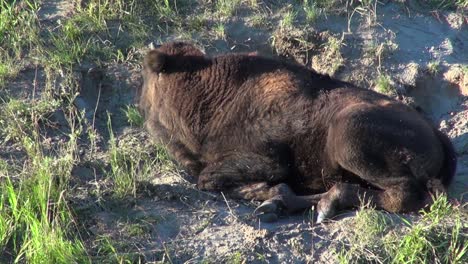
(437, 237)
(311, 10)
(227, 8)
(220, 31)
(433, 67)
(18, 118)
(447, 4)
(134, 118)
(383, 84)
(288, 20)
(130, 163)
(19, 34)
(35, 219)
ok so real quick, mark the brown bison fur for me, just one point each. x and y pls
(265, 129)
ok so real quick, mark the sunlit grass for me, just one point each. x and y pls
(438, 237)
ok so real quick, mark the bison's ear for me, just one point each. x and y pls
(155, 61)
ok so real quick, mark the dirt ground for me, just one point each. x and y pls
(183, 225)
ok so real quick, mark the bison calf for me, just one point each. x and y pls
(265, 129)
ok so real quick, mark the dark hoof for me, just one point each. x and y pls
(268, 206)
(325, 210)
(269, 210)
(268, 217)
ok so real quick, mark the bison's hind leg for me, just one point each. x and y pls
(395, 154)
(403, 196)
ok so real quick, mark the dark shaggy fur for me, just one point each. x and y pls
(260, 128)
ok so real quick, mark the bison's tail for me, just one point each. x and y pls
(449, 166)
(155, 61)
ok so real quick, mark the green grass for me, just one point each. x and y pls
(36, 223)
(219, 31)
(69, 46)
(438, 237)
(18, 25)
(253, 3)
(87, 35)
(134, 117)
(123, 167)
(433, 67)
(235, 258)
(328, 5)
(311, 10)
(227, 8)
(332, 50)
(130, 162)
(8, 68)
(165, 10)
(383, 84)
(287, 22)
(379, 51)
(197, 23)
(447, 4)
(111, 251)
(19, 117)
(19, 34)
(259, 20)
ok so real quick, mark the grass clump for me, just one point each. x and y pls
(332, 56)
(166, 11)
(19, 33)
(8, 68)
(134, 118)
(235, 258)
(329, 5)
(18, 118)
(111, 251)
(437, 237)
(379, 51)
(197, 23)
(18, 26)
(35, 220)
(220, 31)
(69, 45)
(368, 229)
(288, 20)
(227, 8)
(100, 30)
(311, 10)
(130, 163)
(259, 20)
(433, 67)
(383, 84)
(447, 4)
(90, 34)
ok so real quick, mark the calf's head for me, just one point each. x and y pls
(169, 58)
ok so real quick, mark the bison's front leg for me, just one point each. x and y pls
(254, 177)
(184, 157)
(280, 198)
(239, 169)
